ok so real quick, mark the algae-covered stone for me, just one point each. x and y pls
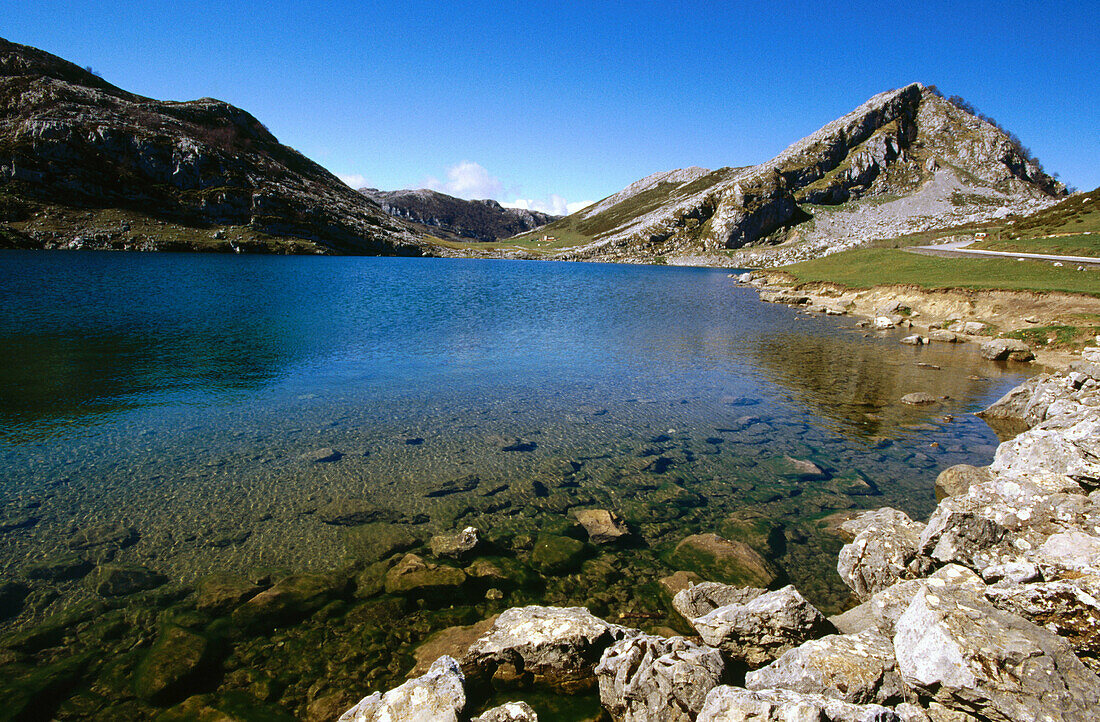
(557, 554)
(731, 562)
(452, 641)
(602, 525)
(289, 600)
(62, 568)
(455, 545)
(413, 575)
(351, 512)
(174, 660)
(116, 536)
(371, 542)
(116, 580)
(12, 595)
(220, 593)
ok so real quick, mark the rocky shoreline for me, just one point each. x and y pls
(988, 611)
(938, 315)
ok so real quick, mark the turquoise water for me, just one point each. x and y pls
(187, 396)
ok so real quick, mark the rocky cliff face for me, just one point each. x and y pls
(905, 160)
(451, 218)
(83, 162)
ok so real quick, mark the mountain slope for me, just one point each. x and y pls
(456, 219)
(86, 164)
(905, 160)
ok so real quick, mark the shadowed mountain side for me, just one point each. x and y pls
(70, 140)
(455, 219)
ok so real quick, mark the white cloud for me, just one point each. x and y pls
(354, 180)
(467, 180)
(555, 205)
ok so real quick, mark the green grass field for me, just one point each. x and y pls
(867, 267)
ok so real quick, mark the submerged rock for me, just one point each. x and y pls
(413, 575)
(289, 600)
(732, 562)
(117, 536)
(438, 696)
(458, 485)
(757, 631)
(554, 646)
(652, 679)
(116, 580)
(455, 545)
(733, 704)
(12, 595)
(325, 455)
(557, 554)
(352, 512)
(171, 664)
(858, 668)
(603, 526)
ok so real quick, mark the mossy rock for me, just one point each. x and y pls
(757, 531)
(371, 542)
(33, 692)
(290, 600)
(219, 593)
(723, 560)
(412, 575)
(231, 706)
(554, 554)
(118, 580)
(176, 660)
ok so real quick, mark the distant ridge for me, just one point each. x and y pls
(451, 218)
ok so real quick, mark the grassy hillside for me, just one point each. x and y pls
(867, 267)
(1070, 228)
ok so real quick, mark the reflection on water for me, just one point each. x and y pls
(173, 411)
(856, 383)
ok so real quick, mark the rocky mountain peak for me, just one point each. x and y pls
(908, 159)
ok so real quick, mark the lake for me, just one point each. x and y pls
(221, 422)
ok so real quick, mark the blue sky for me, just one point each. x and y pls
(558, 102)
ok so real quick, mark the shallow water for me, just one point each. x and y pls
(182, 396)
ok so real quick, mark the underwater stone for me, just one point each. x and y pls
(116, 580)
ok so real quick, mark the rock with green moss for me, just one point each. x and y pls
(117, 580)
(219, 593)
(412, 575)
(557, 554)
(718, 559)
(12, 595)
(172, 664)
(290, 600)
